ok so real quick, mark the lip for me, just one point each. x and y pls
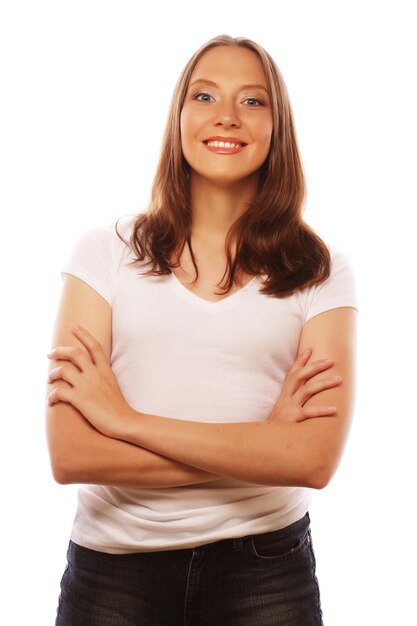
(224, 150)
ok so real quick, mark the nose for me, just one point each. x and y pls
(227, 117)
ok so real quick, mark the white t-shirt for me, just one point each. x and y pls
(180, 356)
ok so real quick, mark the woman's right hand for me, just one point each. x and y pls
(298, 388)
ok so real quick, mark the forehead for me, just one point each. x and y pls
(237, 65)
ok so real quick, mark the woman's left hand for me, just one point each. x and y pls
(94, 389)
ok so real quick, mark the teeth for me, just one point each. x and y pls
(224, 144)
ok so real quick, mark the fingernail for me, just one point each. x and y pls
(76, 327)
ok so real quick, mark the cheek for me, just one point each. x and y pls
(188, 121)
(260, 127)
(183, 124)
(184, 132)
(192, 120)
(265, 136)
(187, 128)
(264, 130)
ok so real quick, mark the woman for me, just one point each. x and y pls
(199, 420)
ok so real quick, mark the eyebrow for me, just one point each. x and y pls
(210, 82)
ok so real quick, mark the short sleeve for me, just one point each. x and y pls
(338, 290)
(91, 260)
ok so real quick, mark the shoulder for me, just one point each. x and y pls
(338, 290)
(342, 277)
(124, 225)
(111, 232)
(342, 272)
(105, 241)
(339, 260)
(99, 253)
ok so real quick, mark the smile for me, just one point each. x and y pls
(224, 147)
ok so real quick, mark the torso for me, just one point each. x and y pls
(211, 267)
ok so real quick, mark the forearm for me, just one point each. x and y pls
(269, 453)
(80, 454)
(274, 452)
(279, 451)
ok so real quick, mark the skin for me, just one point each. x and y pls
(95, 436)
(217, 103)
(221, 185)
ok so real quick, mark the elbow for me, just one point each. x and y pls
(66, 457)
(63, 472)
(318, 481)
(320, 477)
(61, 476)
(317, 477)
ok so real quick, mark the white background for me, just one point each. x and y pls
(85, 92)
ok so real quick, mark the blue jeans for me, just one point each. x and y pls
(258, 580)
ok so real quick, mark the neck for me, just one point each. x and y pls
(215, 208)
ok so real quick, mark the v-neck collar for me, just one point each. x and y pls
(213, 305)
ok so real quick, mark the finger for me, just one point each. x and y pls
(311, 369)
(77, 356)
(64, 372)
(302, 375)
(94, 348)
(59, 394)
(299, 375)
(314, 387)
(317, 411)
(302, 359)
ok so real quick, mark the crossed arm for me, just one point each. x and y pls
(98, 438)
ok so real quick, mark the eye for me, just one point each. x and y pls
(260, 102)
(203, 93)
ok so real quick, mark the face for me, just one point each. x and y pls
(227, 100)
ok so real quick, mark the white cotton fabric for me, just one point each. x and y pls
(179, 356)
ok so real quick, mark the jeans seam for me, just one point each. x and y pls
(189, 588)
(316, 582)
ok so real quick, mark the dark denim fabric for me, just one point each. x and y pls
(258, 580)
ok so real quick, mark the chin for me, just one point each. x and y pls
(225, 177)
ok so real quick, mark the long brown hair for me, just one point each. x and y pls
(271, 237)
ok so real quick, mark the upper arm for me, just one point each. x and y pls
(65, 426)
(332, 334)
(80, 303)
